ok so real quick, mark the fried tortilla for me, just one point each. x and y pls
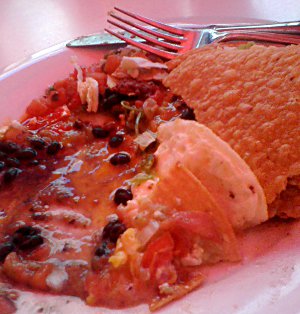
(251, 99)
(219, 168)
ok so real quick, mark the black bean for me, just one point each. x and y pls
(3, 156)
(122, 196)
(102, 253)
(55, 96)
(11, 174)
(53, 148)
(5, 249)
(27, 238)
(99, 132)
(26, 153)
(8, 147)
(2, 165)
(112, 231)
(108, 92)
(34, 162)
(12, 162)
(116, 140)
(100, 99)
(120, 159)
(187, 114)
(37, 143)
(111, 100)
(103, 250)
(78, 125)
(116, 111)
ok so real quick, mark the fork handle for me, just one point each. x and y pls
(260, 36)
(282, 27)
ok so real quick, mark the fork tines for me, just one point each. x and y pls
(165, 39)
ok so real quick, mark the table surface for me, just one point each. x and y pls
(27, 27)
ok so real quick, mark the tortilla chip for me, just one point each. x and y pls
(182, 191)
(177, 292)
(251, 99)
(288, 204)
(226, 176)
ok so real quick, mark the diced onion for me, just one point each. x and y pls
(111, 82)
(78, 68)
(57, 279)
(147, 232)
(138, 62)
(88, 90)
(145, 139)
(89, 93)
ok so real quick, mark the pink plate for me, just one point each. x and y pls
(267, 281)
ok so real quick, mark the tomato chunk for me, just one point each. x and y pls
(112, 63)
(200, 223)
(37, 107)
(159, 252)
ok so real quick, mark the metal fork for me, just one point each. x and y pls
(168, 41)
